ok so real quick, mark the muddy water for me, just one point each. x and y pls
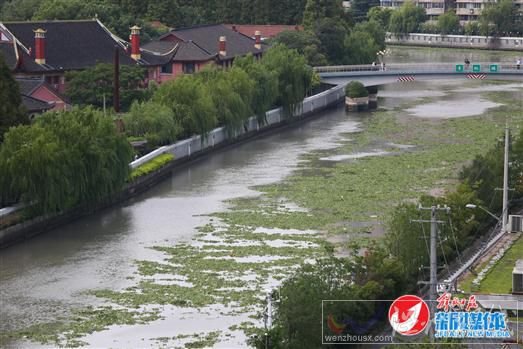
(42, 279)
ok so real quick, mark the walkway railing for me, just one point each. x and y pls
(420, 68)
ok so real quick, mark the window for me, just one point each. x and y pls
(188, 68)
(167, 68)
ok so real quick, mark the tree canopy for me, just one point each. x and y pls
(89, 86)
(63, 160)
(12, 112)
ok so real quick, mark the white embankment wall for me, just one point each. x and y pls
(188, 147)
(457, 41)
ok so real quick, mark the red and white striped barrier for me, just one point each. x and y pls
(476, 76)
(406, 78)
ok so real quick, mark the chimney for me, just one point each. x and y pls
(40, 45)
(222, 47)
(257, 38)
(135, 43)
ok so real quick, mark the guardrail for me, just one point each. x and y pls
(412, 68)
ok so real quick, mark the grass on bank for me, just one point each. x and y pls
(499, 278)
(150, 166)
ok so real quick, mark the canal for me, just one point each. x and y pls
(188, 262)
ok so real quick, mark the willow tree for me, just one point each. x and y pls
(191, 103)
(266, 82)
(64, 160)
(293, 74)
(231, 92)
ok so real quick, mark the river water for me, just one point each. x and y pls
(42, 279)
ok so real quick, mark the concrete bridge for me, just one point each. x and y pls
(406, 72)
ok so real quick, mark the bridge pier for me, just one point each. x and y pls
(373, 96)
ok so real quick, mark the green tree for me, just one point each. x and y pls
(266, 86)
(12, 112)
(407, 19)
(498, 18)
(294, 76)
(317, 10)
(153, 121)
(306, 43)
(448, 23)
(64, 160)
(89, 86)
(331, 33)
(231, 92)
(356, 89)
(360, 48)
(380, 15)
(191, 103)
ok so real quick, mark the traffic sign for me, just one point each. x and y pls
(493, 68)
(459, 68)
(476, 68)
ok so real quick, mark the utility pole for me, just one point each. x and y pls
(433, 282)
(504, 213)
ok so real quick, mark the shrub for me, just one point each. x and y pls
(150, 166)
(356, 89)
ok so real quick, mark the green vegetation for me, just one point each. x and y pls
(12, 112)
(407, 19)
(448, 23)
(153, 122)
(356, 89)
(151, 166)
(90, 86)
(499, 278)
(55, 165)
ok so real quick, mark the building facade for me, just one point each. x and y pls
(434, 8)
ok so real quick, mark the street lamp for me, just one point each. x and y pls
(472, 206)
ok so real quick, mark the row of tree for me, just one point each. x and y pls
(77, 157)
(496, 19)
(197, 104)
(390, 269)
(331, 36)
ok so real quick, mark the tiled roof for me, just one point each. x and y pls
(35, 105)
(267, 31)
(71, 44)
(207, 38)
(7, 51)
(181, 51)
(27, 86)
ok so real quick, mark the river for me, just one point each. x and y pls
(45, 278)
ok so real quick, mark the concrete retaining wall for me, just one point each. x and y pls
(458, 41)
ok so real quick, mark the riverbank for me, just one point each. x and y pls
(457, 41)
(340, 194)
(184, 151)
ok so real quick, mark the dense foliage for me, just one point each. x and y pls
(299, 310)
(154, 122)
(293, 75)
(89, 86)
(407, 19)
(12, 112)
(119, 15)
(355, 89)
(63, 160)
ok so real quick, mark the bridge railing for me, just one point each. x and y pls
(420, 68)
